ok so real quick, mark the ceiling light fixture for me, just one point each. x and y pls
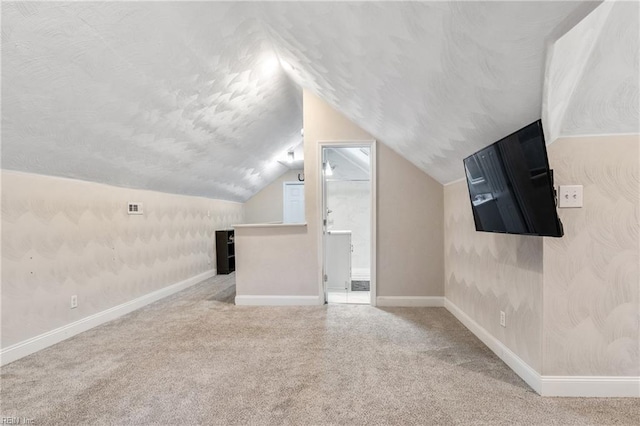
(328, 170)
(270, 66)
(290, 156)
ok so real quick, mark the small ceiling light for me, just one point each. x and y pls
(328, 170)
(270, 66)
(290, 156)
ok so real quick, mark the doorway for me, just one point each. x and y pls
(293, 202)
(348, 222)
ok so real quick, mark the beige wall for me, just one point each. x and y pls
(410, 229)
(321, 123)
(63, 237)
(269, 262)
(487, 273)
(410, 235)
(591, 275)
(572, 303)
(266, 205)
(409, 202)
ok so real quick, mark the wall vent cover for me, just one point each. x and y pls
(134, 208)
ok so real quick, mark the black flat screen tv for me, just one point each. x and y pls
(511, 186)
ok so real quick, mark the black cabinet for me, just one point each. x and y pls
(225, 251)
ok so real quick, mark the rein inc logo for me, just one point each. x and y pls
(17, 421)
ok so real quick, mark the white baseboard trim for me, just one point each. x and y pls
(50, 338)
(521, 368)
(591, 386)
(277, 300)
(569, 386)
(360, 274)
(410, 301)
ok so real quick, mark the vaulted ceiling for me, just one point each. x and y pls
(202, 98)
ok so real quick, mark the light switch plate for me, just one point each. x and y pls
(570, 196)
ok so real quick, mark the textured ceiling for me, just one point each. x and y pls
(165, 96)
(435, 81)
(592, 83)
(176, 97)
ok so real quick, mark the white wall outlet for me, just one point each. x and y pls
(570, 196)
(74, 301)
(134, 208)
(503, 319)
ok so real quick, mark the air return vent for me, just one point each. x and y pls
(134, 208)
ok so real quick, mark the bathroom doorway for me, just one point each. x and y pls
(348, 222)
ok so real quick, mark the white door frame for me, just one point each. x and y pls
(321, 198)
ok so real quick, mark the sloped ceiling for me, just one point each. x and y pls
(178, 97)
(435, 81)
(592, 83)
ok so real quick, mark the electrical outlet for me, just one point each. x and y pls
(570, 196)
(503, 319)
(74, 301)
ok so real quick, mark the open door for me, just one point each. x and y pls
(348, 222)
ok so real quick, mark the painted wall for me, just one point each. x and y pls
(321, 123)
(63, 237)
(410, 229)
(350, 204)
(488, 273)
(269, 262)
(572, 304)
(591, 275)
(266, 205)
(409, 208)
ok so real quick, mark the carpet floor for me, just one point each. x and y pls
(195, 358)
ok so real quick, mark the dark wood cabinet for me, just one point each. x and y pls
(225, 251)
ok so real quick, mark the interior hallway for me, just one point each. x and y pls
(197, 358)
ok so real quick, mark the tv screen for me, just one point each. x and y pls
(511, 185)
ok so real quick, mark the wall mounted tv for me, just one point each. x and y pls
(511, 186)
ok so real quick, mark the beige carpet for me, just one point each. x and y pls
(194, 358)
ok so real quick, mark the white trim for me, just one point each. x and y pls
(373, 262)
(591, 386)
(277, 300)
(594, 135)
(50, 338)
(570, 386)
(320, 190)
(462, 179)
(411, 301)
(521, 368)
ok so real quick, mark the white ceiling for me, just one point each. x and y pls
(175, 97)
(348, 164)
(592, 83)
